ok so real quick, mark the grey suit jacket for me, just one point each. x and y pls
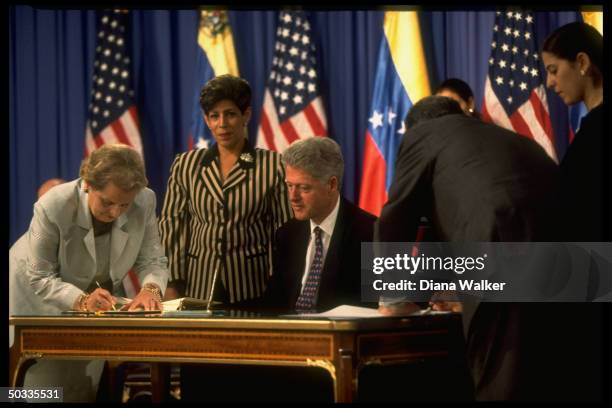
(61, 258)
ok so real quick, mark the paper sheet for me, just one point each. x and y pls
(346, 311)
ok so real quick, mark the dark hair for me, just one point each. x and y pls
(457, 86)
(568, 40)
(432, 107)
(223, 87)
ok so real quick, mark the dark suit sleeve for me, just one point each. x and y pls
(366, 234)
(410, 191)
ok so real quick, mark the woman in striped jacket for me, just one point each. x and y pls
(223, 204)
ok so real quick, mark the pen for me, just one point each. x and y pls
(98, 283)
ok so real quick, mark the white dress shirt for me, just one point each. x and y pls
(327, 229)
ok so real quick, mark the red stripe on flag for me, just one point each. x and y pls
(98, 141)
(289, 131)
(120, 133)
(190, 141)
(519, 125)
(134, 115)
(267, 131)
(315, 122)
(373, 194)
(541, 115)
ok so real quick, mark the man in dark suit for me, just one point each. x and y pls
(306, 278)
(473, 180)
(313, 271)
(478, 182)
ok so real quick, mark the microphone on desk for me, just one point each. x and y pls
(212, 289)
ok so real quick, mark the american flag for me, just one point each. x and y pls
(515, 96)
(112, 114)
(292, 107)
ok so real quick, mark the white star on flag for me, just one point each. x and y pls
(376, 120)
(402, 130)
(202, 143)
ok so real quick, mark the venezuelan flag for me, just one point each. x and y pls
(216, 56)
(401, 80)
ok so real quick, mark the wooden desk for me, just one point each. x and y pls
(342, 347)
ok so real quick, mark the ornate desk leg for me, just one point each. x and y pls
(19, 363)
(160, 381)
(13, 358)
(345, 386)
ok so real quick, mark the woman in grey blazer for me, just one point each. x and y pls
(91, 230)
(87, 234)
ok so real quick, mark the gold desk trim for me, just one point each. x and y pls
(325, 364)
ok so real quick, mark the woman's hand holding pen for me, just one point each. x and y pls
(100, 300)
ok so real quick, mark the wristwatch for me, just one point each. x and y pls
(149, 287)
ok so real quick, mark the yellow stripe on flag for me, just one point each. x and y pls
(215, 38)
(404, 38)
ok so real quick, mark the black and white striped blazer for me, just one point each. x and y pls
(206, 224)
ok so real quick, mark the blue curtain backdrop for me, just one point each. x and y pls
(51, 54)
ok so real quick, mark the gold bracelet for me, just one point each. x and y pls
(154, 290)
(82, 302)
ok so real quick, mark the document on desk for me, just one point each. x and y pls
(352, 312)
(346, 311)
(121, 301)
(185, 303)
(168, 308)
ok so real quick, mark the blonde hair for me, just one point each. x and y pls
(116, 163)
